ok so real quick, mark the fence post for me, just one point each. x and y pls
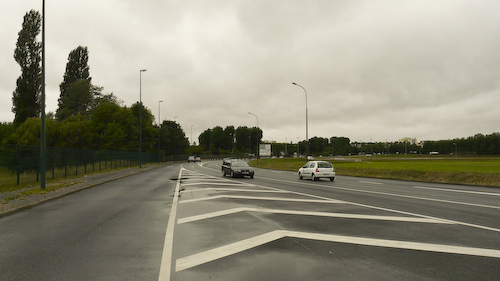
(18, 162)
(66, 162)
(39, 165)
(53, 162)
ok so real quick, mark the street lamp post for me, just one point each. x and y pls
(140, 117)
(307, 136)
(159, 132)
(43, 134)
(258, 136)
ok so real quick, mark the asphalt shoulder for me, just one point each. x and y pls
(13, 202)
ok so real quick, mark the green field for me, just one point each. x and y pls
(442, 169)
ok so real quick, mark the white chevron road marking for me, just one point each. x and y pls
(307, 213)
(260, 198)
(237, 247)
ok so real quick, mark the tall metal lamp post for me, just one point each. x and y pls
(140, 116)
(43, 144)
(159, 132)
(258, 136)
(307, 135)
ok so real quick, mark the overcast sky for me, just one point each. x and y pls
(373, 70)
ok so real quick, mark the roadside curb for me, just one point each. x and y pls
(56, 194)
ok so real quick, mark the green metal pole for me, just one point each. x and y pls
(43, 155)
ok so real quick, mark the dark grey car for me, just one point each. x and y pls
(237, 168)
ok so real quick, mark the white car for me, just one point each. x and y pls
(316, 170)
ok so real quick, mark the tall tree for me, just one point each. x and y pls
(26, 96)
(173, 140)
(76, 89)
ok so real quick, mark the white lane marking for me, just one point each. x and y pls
(224, 251)
(370, 182)
(216, 183)
(243, 245)
(373, 207)
(259, 198)
(458, 190)
(240, 190)
(307, 213)
(381, 208)
(166, 257)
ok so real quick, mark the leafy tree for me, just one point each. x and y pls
(114, 127)
(204, 139)
(77, 91)
(216, 139)
(28, 133)
(172, 138)
(74, 132)
(255, 138)
(149, 132)
(340, 145)
(6, 129)
(243, 139)
(26, 96)
(318, 145)
(228, 138)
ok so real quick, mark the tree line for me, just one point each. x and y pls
(242, 140)
(478, 144)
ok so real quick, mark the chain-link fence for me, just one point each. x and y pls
(21, 161)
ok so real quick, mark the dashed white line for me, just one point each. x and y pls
(370, 182)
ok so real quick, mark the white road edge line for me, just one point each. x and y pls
(233, 248)
(458, 190)
(166, 257)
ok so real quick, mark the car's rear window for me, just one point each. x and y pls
(239, 164)
(325, 165)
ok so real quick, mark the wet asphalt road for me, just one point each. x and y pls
(191, 223)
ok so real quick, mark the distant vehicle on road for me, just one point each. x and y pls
(191, 158)
(197, 159)
(310, 157)
(316, 170)
(237, 168)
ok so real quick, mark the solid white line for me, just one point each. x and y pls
(166, 258)
(307, 213)
(246, 244)
(458, 190)
(259, 198)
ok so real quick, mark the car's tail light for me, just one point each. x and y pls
(317, 170)
(333, 169)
